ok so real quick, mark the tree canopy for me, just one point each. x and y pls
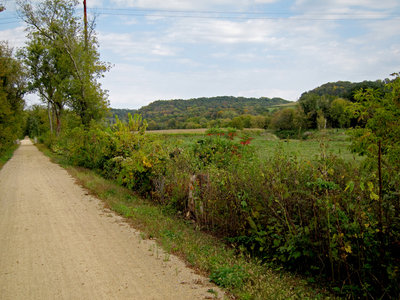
(64, 66)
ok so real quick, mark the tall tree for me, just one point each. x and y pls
(57, 38)
(47, 75)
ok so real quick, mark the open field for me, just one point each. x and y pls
(287, 105)
(178, 131)
(266, 144)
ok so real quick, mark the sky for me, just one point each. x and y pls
(182, 49)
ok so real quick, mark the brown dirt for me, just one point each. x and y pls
(58, 242)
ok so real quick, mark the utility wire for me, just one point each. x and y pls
(242, 15)
(233, 15)
(294, 18)
(237, 12)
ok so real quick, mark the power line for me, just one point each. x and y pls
(312, 16)
(294, 18)
(234, 15)
(239, 12)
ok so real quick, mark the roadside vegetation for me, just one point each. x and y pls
(6, 155)
(226, 264)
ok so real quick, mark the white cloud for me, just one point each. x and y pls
(128, 46)
(190, 4)
(265, 1)
(14, 36)
(224, 31)
(344, 6)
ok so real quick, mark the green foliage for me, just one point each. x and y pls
(380, 115)
(12, 88)
(379, 140)
(64, 67)
(344, 89)
(339, 114)
(326, 106)
(286, 119)
(229, 277)
(6, 155)
(36, 121)
(219, 151)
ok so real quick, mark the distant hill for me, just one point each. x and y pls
(199, 112)
(343, 89)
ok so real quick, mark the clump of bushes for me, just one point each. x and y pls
(320, 218)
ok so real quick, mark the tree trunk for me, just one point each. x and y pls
(50, 118)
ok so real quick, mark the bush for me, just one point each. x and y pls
(320, 218)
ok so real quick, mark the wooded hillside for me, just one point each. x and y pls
(199, 112)
(344, 89)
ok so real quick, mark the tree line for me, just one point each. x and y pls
(327, 106)
(222, 111)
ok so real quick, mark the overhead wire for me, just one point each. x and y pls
(234, 15)
(241, 15)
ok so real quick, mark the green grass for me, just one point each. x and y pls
(244, 277)
(286, 105)
(266, 144)
(6, 155)
(303, 149)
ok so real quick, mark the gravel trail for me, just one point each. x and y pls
(58, 242)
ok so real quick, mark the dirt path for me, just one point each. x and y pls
(57, 242)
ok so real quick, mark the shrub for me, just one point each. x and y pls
(320, 218)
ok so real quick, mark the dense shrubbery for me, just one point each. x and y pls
(320, 218)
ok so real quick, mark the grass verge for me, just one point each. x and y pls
(244, 277)
(6, 155)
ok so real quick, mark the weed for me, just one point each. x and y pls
(6, 155)
(122, 210)
(214, 292)
(229, 277)
(166, 257)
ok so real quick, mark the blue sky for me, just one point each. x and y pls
(181, 49)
